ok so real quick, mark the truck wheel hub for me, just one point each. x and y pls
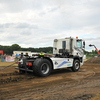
(45, 68)
(77, 65)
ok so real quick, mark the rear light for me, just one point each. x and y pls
(29, 64)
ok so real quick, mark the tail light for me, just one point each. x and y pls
(29, 64)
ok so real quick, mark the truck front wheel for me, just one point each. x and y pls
(76, 65)
(42, 67)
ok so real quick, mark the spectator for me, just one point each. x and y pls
(13, 55)
(4, 56)
(16, 57)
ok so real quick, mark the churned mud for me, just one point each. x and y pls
(60, 85)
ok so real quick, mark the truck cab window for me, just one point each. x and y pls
(79, 44)
(63, 44)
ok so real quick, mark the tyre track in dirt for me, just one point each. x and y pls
(16, 77)
(57, 85)
(13, 77)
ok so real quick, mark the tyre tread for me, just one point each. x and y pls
(36, 65)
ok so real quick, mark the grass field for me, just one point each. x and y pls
(4, 64)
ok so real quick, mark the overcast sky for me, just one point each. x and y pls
(36, 23)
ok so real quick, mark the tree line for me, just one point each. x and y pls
(15, 47)
(91, 54)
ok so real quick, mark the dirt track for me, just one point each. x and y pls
(60, 85)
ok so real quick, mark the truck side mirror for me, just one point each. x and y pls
(84, 44)
(55, 48)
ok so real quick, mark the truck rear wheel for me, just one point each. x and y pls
(42, 67)
(76, 66)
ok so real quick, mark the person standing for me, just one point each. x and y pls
(13, 55)
(2, 58)
(42, 54)
(16, 57)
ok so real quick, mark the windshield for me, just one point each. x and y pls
(79, 43)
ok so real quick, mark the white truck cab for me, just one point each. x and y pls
(71, 45)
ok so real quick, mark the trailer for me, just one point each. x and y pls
(67, 53)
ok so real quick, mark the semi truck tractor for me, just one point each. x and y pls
(67, 53)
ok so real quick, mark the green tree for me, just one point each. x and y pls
(15, 47)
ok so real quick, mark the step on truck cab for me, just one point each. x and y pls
(67, 52)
